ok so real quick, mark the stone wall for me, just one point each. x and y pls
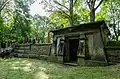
(96, 48)
(40, 49)
(113, 54)
(31, 50)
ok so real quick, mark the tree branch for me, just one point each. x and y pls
(61, 5)
(64, 12)
(99, 4)
(93, 2)
(4, 4)
(88, 3)
(75, 2)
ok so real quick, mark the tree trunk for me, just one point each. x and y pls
(118, 23)
(91, 5)
(114, 28)
(25, 38)
(116, 36)
(71, 13)
(92, 15)
(70, 21)
(48, 37)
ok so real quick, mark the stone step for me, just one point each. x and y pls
(71, 64)
(43, 57)
(22, 48)
(26, 53)
(22, 45)
(19, 51)
(115, 61)
(21, 55)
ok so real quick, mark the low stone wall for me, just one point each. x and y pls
(113, 54)
(43, 51)
(40, 49)
(31, 50)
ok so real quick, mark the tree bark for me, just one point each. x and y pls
(71, 13)
(92, 15)
(116, 36)
(48, 37)
(91, 5)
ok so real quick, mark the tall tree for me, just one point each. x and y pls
(22, 19)
(3, 4)
(113, 17)
(65, 7)
(40, 28)
(93, 7)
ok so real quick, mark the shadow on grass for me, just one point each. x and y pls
(17, 68)
(21, 69)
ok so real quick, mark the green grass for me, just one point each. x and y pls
(38, 69)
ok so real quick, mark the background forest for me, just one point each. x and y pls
(17, 25)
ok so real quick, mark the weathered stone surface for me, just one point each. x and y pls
(31, 51)
(81, 61)
(95, 47)
(40, 49)
(113, 54)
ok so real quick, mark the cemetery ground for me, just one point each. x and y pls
(22, 68)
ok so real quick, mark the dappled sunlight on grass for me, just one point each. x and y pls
(17, 68)
(41, 75)
(24, 65)
(23, 69)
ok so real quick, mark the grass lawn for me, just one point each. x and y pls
(38, 69)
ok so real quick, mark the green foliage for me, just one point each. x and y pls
(83, 14)
(59, 19)
(113, 16)
(21, 27)
(16, 23)
(2, 28)
(101, 15)
(40, 28)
